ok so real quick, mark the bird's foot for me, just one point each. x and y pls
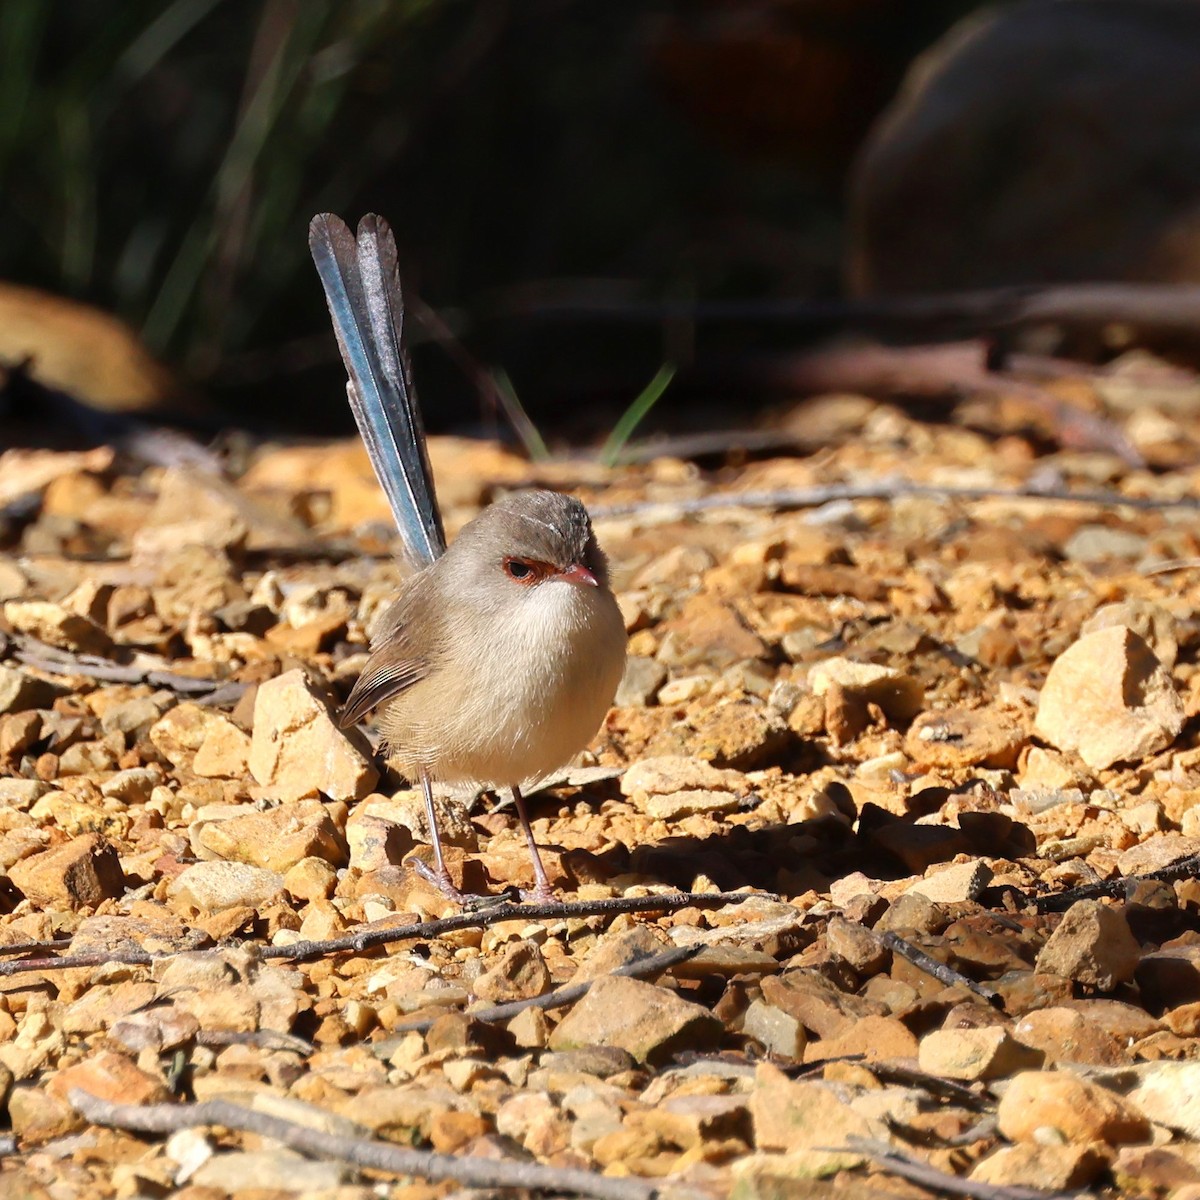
(440, 880)
(470, 901)
(542, 894)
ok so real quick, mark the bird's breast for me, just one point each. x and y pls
(517, 692)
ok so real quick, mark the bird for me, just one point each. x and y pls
(499, 657)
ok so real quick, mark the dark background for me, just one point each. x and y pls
(162, 160)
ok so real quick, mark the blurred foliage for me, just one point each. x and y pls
(162, 159)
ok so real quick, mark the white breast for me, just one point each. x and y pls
(519, 694)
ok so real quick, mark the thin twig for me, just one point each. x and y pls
(1185, 868)
(361, 1152)
(54, 661)
(939, 970)
(33, 947)
(947, 1089)
(786, 499)
(366, 939)
(924, 1175)
(505, 911)
(264, 1039)
(654, 964)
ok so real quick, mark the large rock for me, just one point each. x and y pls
(995, 165)
(1077, 1110)
(1093, 946)
(1108, 698)
(649, 1022)
(82, 872)
(297, 749)
(216, 886)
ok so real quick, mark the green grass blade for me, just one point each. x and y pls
(635, 414)
(514, 410)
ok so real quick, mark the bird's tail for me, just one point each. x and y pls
(362, 286)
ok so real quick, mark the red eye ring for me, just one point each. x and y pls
(524, 570)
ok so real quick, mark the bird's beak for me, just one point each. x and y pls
(578, 573)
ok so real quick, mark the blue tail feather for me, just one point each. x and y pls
(362, 288)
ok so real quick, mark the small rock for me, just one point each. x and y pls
(861, 948)
(156, 1029)
(817, 1004)
(1158, 850)
(950, 885)
(276, 839)
(1080, 1111)
(180, 732)
(641, 681)
(520, 973)
(682, 689)
(1066, 1035)
(669, 774)
(21, 793)
(530, 1029)
(739, 734)
(779, 1032)
(808, 1118)
(1151, 622)
(132, 786)
(1150, 1170)
(1109, 699)
(267, 1171)
(1100, 543)
(311, 879)
(1169, 1094)
(649, 1022)
(899, 695)
(975, 1054)
(216, 886)
(80, 873)
(1093, 946)
(1051, 1168)
(1048, 771)
(676, 805)
(963, 737)
(19, 691)
(297, 749)
(223, 753)
(57, 626)
(35, 1116)
(920, 847)
(109, 1076)
(875, 1039)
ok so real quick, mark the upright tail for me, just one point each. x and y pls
(362, 287)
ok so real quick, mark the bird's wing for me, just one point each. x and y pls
(388, 672)
(405, 646)
(362, 288)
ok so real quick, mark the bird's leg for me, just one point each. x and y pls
(437, 875)
(542, 891)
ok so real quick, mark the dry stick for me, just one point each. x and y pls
(921, 1173)
(652, 965)
(939, 971)
(360, 1152)
(506, 911)
(264, 1039)
(425, 930)
(784, 499)
(1185, 868)
(30, 947)
(33, 653)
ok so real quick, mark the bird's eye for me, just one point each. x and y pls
(519, 569)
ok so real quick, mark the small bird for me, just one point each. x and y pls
(500, 656)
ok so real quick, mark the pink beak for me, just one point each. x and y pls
(578, 573)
